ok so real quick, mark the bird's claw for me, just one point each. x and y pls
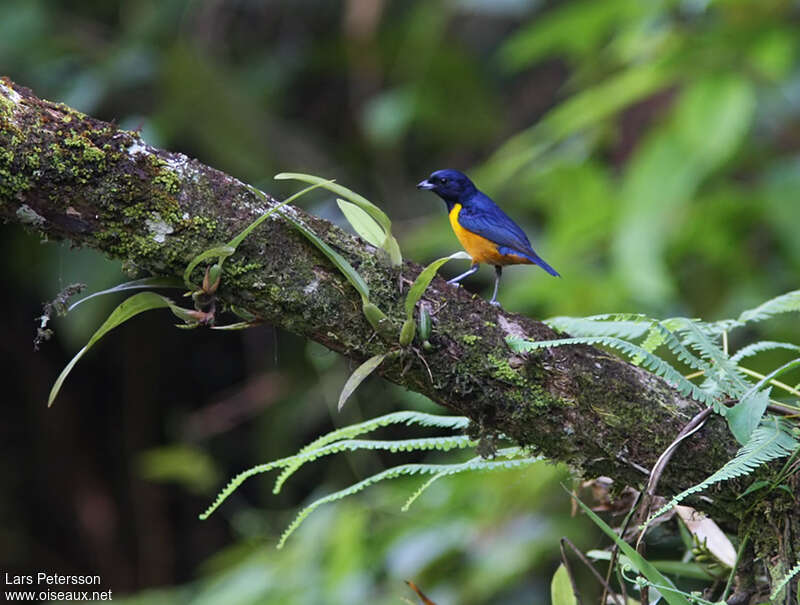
(495, 303)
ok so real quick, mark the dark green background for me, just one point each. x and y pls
(650, 149)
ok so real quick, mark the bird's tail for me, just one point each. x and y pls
(538, 260)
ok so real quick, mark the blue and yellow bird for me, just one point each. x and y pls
(487, 233)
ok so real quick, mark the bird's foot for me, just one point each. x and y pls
(454, 282)
(495, 303)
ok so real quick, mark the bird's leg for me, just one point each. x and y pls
(498, 272)
(458, 278)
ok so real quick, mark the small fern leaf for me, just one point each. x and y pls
(418, 492)
(599, 325)
(760, 347)
(785, 303)
(398, 471)
(444, 444)
(726, 374)
(784, 581)
(408, 418)
(655, 338)
(648, 360)
(452, 470)
(630, 326)
(770, 441)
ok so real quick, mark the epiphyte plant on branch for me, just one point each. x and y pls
(369, 221)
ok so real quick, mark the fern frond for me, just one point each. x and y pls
(770, 441)
(599, 325)
(761, 346)
(654, 339)
(785, 303)
(630, 326)
(442, 444)
(725, 373)
(666, 329)
(454, 469)
(348, 432)
(784, 581)
(648, 360)
(347, 445)
(394, 472)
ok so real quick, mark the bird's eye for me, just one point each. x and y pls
(443, 180)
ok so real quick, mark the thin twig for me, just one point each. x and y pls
(694, 425)
(588, 564)
(729, 583)
(570, 575)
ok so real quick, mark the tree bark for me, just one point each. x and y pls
(68, 176)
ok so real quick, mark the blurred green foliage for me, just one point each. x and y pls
(649, 148)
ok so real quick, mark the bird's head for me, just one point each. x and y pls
(450, 185)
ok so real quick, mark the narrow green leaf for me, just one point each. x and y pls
(136, 284)
(239, 325)
(393, 248)
(407, 332)
(787, 367)
(743, 418)
(674, 568)
(667, 589)
(351, 196)
(138, 303)
(648, 360)
(377, 319)
(363, 223)
(234, 243)
(424, 279)
(561, 588)
(337, 259)
(753, 487)
(357, 377)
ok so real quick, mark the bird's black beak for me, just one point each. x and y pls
(426, 184)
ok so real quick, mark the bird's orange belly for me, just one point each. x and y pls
(479, 248)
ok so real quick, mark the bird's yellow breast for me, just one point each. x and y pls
(478, 247)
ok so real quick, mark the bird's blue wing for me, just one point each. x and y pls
(485, 218)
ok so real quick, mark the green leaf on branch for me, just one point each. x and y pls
(138, 303)
(389, 243)
(136, 284)
(425, 278)
(337, 259)
(357, 377)
(223, 252)
(744, 417)
(362, 222)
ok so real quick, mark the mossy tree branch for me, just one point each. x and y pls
(69, 176)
